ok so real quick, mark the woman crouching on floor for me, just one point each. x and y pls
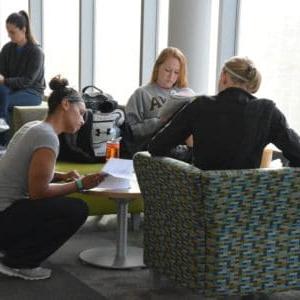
(35, 216)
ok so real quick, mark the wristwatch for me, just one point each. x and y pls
(79, 185)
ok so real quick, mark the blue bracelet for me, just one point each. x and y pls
(79, 185)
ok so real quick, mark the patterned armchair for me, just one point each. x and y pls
(225, 232)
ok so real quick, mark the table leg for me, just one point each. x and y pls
(122, 232)
(121, 257)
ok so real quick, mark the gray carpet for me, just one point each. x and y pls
(112, 284)
(62, 285)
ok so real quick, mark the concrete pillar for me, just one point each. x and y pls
(189, 30)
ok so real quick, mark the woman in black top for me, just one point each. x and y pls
(230, 129)
(21, 68)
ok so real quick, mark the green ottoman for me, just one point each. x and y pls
(98, 205)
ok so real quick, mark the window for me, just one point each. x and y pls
(61, 40)
(269, 34)
(214, 23)
(6, 8)
(117, 47)
(163, 24)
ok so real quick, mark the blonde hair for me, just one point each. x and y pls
(242, 71)
(182, 81)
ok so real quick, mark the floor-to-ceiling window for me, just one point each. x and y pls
(6, 8)
(61, 39)
(213, 47)
(117, 47)
(163, 25)
(269, 34)
(110, 56)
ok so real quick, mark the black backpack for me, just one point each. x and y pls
(98, 101)
(104, 120)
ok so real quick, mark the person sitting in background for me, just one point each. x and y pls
(230, 129)
(21, 69)
(169, 77)
(35, 216)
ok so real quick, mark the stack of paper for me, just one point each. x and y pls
(120, 173)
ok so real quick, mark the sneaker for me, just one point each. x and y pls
(3, 125)
(27, 274)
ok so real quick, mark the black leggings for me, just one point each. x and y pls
(31, 230)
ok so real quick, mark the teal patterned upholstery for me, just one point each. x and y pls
(231, 232)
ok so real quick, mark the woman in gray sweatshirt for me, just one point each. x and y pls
(169, 78)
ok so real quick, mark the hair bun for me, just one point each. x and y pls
(58, 83)
(251, 72)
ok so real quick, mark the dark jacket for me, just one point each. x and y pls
(23, 69)
(230, 131)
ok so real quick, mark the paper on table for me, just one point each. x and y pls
(114, 183)
(118, 167)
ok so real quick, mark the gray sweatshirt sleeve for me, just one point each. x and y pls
(138, 117)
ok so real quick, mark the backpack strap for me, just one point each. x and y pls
(91, 86)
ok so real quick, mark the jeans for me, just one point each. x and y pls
(10, 98)
(31, 230)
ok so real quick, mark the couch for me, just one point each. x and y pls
(222, 233)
